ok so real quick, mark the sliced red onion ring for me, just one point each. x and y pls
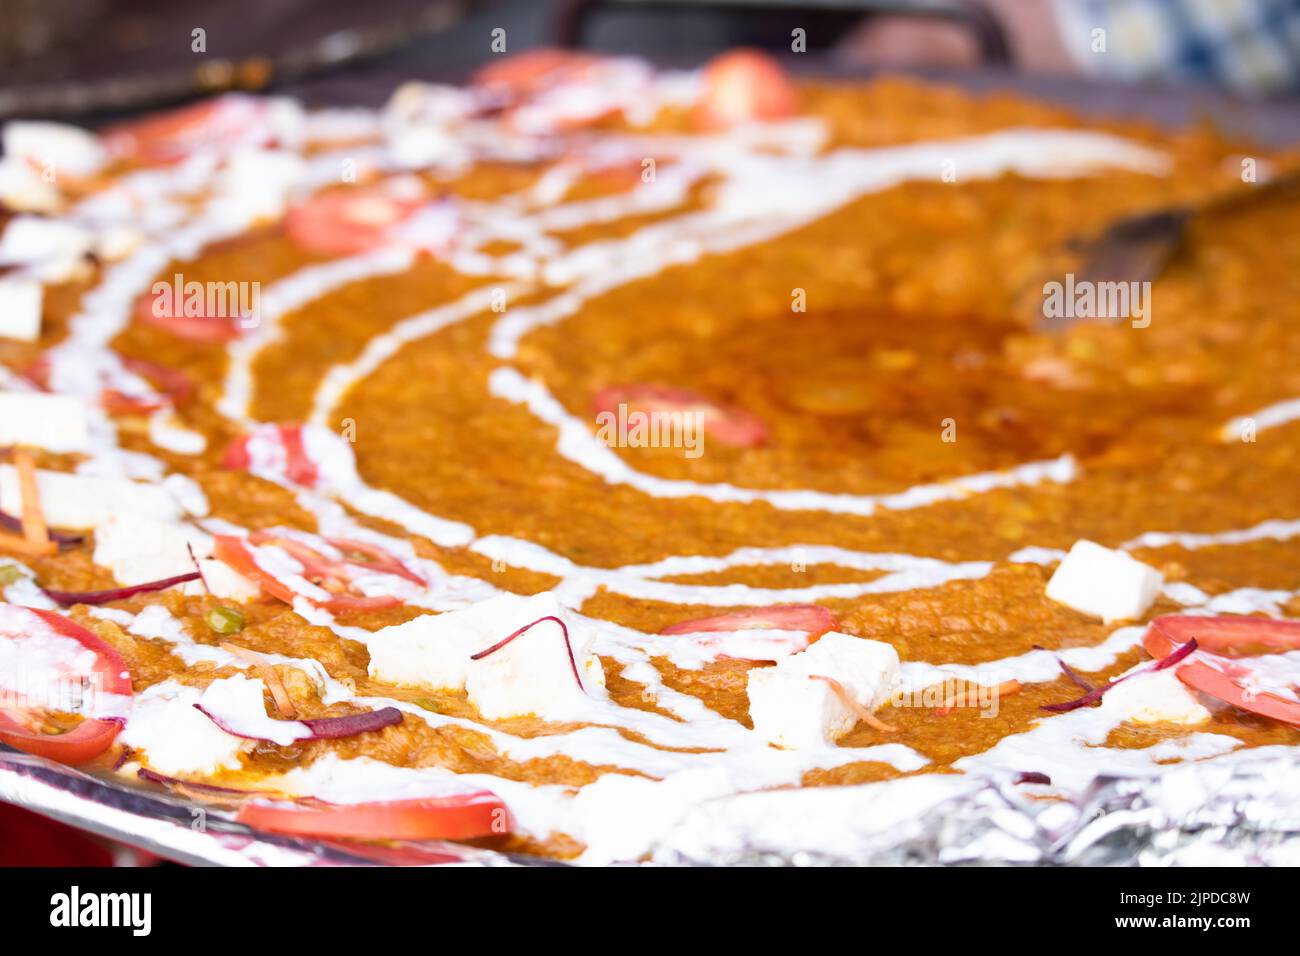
(63, 539)
(144, 773)
(1033, 776)
(319, 728)
(1097, 693)
(510, 637)
(332, 728)
(69, 598)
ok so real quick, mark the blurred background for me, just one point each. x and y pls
(87, 57)
(1235, 63)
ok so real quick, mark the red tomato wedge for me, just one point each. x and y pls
(92, 736)
(175, 388)
(785, 617)
(731, 426)
(743, 86)
(461, 816)
(1225, 644)
(298, 467)
(171, 136)
(161, 312)
(374, 558)
(345, 222)
(525, 74)
(331, 574)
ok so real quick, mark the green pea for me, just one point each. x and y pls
(225, 620)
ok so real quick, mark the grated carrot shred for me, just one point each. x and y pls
(35, 531)
(864, 715)
(279, 693)
(11, 542)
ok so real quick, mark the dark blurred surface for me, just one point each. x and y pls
(341, 51)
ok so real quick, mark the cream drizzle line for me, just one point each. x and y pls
(287, 295)
(577, 443)
(1271, 416)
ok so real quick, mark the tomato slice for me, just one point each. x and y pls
(374, 558)
(170, 317)
(297, 465)
(731, 426)
(1229, 635)
(812, 618)
(1219, 669)
(171, 136)
(321, 570)
(176, 388)
(81, 744)
(743, 86)
(461, 816)
(91, 736)
(345, 222)
(526, 74)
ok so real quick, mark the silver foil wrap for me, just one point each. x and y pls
(1242, 810)
(1238, 811)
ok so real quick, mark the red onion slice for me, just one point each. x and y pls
(1097, 693)
(144, 773)
(69, 598)
(1033, 776)
(319, 728)
(510, 637)
(63, 539)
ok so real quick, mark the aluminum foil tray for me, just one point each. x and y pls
(1239, 810)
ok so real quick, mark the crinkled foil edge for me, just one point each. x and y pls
(179, 830)
(1239, 811)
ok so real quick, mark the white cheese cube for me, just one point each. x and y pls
(56, 145)
(53, 422)
(117, 242)
(259, 180)
(138, 549)
(174, 737)
(794, 711)
(222, 581)
(21, 301)
(238, 703)
(23, 189)
(76, 501)
(1156, 697)
(31, 239)
(534, 673)
(534, 677)
(428, 651)
(1105, 583)
(790, 708)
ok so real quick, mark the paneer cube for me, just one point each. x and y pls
(1105, 583)
(222, 581)
(139, 549)
(34, 241)
(534, 673)
(58, 147)
(175, 737)
(1156, 697)
(792, 709)
(21, 302)
(53, 422)
(530, 675)
(76, 501)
